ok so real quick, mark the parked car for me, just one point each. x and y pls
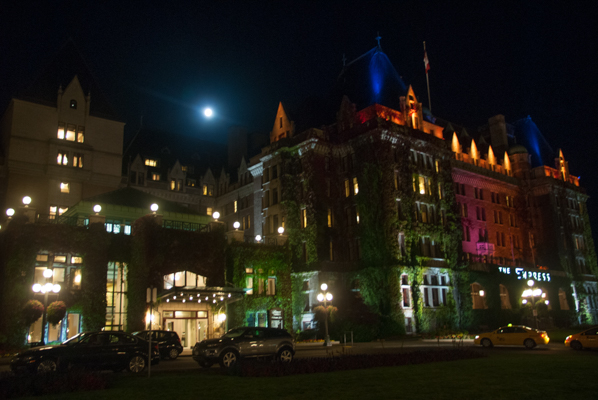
(245, 342)
(113, 350)
(512, 335)
(169, 343)
(587, 338)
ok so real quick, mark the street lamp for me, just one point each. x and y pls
(532, 293)
(325, 296)
(45, 290)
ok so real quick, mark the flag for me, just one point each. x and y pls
(426, 62)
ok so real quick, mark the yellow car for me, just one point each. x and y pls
(587, 338)
(513, 335)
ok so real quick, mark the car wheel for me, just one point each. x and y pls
(136, 364)
(486, 342)
(173, 354)
(529, 343)
(204, 363)
(575, 345)
(228, 359)
(285, 356)
(46, 366)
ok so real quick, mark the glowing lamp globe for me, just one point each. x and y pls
(236, 225)
(530, 283)
(56, 288)
(324, 286)
(281, 230)
(320, 297)
(26, 200)
(216, 215)
(10, 212)
(154, 207)
(258, 238)
(37, 288)
(208, 112)
(482, 293)
(97, 208)
(48, 287)
(48, 273)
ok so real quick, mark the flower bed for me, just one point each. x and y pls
(350, 362)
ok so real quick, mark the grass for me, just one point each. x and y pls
(503, 375)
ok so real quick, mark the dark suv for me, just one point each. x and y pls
(168, 342)
(245, 342)
(113, 350)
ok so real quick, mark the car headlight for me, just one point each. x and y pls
(568, 339)
(477, 336)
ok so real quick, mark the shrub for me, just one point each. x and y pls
(53, 383)
(350, 362)
(32, 310)
(56, 312)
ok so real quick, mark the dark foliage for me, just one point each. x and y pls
(50, 384)
(350, 362)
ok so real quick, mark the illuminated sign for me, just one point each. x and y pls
(523, 274)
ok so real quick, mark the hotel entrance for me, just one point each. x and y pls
(191, 326)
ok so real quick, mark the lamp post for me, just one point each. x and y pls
(46, 289)
(532, 293)
(325, 297)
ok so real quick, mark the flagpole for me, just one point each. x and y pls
(428, 80)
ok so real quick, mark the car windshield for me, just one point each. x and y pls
(75, 339)
(233, 333)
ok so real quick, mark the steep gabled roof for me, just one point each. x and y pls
(67, 64)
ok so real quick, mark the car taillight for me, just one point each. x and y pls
(543, 335)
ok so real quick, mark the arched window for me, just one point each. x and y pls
(74, 104)
(505, 303)
(478, 297)
(563, 300)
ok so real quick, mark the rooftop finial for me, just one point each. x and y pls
(378, 39)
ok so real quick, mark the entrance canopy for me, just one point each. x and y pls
(186, 286)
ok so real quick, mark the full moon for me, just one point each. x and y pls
(208, 112)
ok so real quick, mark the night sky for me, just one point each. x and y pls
(166, 60)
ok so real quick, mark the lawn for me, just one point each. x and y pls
(503, 375)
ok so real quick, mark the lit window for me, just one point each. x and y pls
(76, 278)
(53, 210)
(78, 160)
(80, 135)
(204, 190)
(179, 185)
(59, 259)
(172, 184)
(347, 188)
(422, 185)
(249, 285)
(357, 214)
(76, 260)
(62, 159)
(303, 218)
(62, 210)
(184, 169)
(209, 211)
(235, 206)
(70, 132)
(211, 190)
(271, 288)
(60, 134)
(355, 186)
(155, 177)
(127, 229)
(191, 182)
(64, 187)
(41, 257)
(151, 163)
(330, 218)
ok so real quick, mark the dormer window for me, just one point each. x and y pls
(73, 104)
(151, 163)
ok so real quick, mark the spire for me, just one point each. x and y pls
(455, 145)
